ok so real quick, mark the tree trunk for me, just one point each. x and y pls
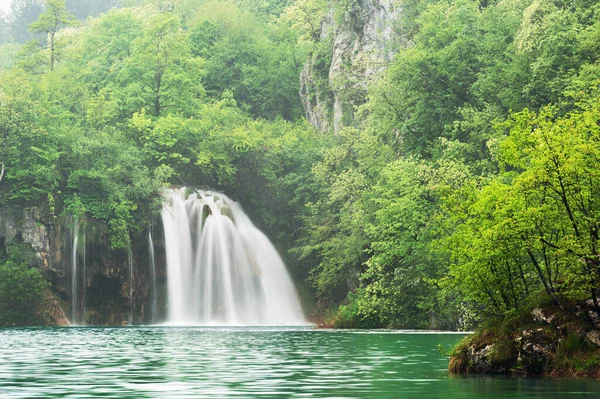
(52, 51)
(541, 276)
(157, 107)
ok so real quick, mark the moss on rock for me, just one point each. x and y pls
(546, 340)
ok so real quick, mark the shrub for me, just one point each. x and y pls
(21, 289)
(349, 316)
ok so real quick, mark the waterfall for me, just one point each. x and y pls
(84, 278)
(152, 275)
(220, 268)
(74, 296)
(130, 274)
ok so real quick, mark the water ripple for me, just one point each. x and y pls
(178, 362)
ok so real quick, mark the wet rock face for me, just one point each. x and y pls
(362, 43)
(112, 287)
(51, 310)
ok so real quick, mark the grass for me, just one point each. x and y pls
(576, 357)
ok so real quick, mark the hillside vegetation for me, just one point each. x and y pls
(464, 187)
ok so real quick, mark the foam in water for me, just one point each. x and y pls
(221, 269)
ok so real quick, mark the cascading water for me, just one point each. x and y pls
(152, 275)
(221, 269)
(84, 278)
(78, 272)
(74, 296)
(130, 267)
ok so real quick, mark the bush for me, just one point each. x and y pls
(349, 316)
(21, 289)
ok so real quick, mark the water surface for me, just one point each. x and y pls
(185, 362)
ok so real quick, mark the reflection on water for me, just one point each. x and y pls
(153, 362)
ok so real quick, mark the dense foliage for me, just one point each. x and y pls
(21, 288)
(466, 184)
(98, 118)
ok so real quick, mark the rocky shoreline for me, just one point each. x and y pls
(551, 340)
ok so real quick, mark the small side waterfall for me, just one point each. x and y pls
(74, 293)
(221, 269)
(84, 280)
(78, 258)
(130, 273)
(152, 276)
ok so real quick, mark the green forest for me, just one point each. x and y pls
(462, 185)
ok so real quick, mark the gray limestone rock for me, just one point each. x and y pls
(593, 337)
(539, 315)
(363, 43)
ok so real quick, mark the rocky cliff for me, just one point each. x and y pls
(357, 41)
(90, 282)
(29, 226)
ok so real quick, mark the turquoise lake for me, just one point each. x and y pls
(190, 362)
